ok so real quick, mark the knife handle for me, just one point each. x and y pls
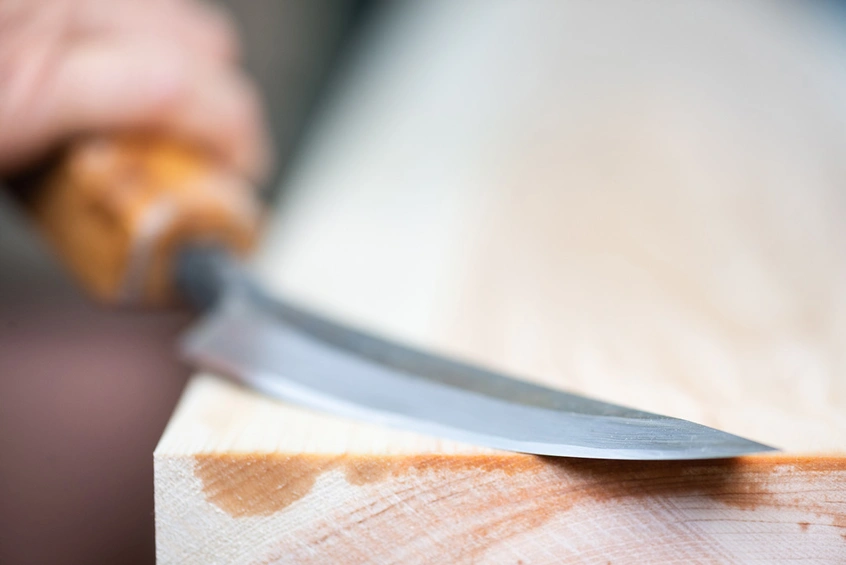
(118, 210)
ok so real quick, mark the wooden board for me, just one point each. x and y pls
(619, 206)
(240, 479)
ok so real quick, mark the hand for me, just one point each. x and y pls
(71, 67)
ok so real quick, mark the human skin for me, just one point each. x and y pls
(72, 67)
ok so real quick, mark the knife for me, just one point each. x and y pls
(150, 221)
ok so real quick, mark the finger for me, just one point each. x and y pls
(223, 107)
(198, 26)
(147, 84)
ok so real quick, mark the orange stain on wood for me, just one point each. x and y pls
(493, 498)
(260, 485)
(360, 470)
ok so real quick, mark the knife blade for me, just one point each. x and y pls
(287, 352)
(145, 220)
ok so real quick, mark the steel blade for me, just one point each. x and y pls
(303, 358)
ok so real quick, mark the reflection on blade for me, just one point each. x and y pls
(305, 359)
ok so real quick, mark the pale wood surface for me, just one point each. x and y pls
(240, 479)
(643, 203)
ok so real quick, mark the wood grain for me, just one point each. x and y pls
(391, 497)
(602, 198)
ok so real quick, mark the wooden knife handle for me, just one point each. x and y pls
(117, 210)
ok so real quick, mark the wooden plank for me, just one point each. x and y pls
(622, 207)
(243, 480)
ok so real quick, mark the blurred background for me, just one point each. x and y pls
(596, 125)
